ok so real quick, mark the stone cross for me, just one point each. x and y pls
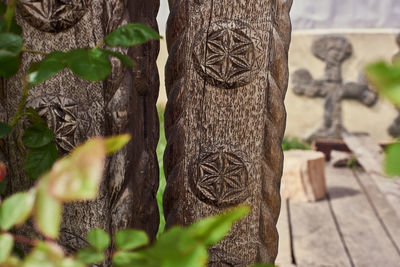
(333, 50)
(394, 129)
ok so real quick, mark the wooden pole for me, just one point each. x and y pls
(226, 80)
(76, 110)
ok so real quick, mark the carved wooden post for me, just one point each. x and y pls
(77, 109)
(226, 80)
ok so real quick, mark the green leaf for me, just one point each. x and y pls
(3, 25)
(99, 239)
(127, 259)
(16, 209)
(3, 186)
(130, 239)
(40, 160)
(34, 117)
(78, 176)
(90, 256)
(116, 143)
(44, 254)
(6, 245)
(51, 65)
(392, 163)
(10, 48)
(71, 262)
(178, 248)
(47, 212)
(387, 79)
(5, 129)
(89, 64)
(125, 60)
(131, 35)
(37, 136)
(15, 28)
(213, 229)
(3, 9)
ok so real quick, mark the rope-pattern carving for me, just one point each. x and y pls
(130, 96)
(174, 113)
(272, 163)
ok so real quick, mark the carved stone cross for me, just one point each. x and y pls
(394, 129)
(333, 50)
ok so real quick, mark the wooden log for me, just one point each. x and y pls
(226, 79)
(77, 109)
(304, 176)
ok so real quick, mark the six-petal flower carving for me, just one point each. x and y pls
(221, 178)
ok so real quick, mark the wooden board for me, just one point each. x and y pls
(367, 151)
(364, 235)
(371, 156)
(285, 249)
(316, 241)
(382, 207)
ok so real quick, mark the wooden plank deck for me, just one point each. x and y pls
(354, 226)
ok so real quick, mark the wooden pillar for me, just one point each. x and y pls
(226, 80)
(76, 110)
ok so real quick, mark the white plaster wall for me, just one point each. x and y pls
(313, 14)
(317, 14)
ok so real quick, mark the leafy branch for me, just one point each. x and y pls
(386, 77)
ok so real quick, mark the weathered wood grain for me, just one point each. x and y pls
(382, 207)
(316, 240)
(284, 257)
(226, 79)
(124, 103)
(367, 151)
(361, 229)
(371, 157)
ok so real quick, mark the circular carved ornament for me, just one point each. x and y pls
(53, 15)
(220, 178)
(64, 118)
(229, 54)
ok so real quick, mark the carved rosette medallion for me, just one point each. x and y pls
(228, 54)
(220, 177)
(62, 114)
(53, 15)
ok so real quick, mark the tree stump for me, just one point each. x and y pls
(226, 80)
(304, 176)
(77, 109)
